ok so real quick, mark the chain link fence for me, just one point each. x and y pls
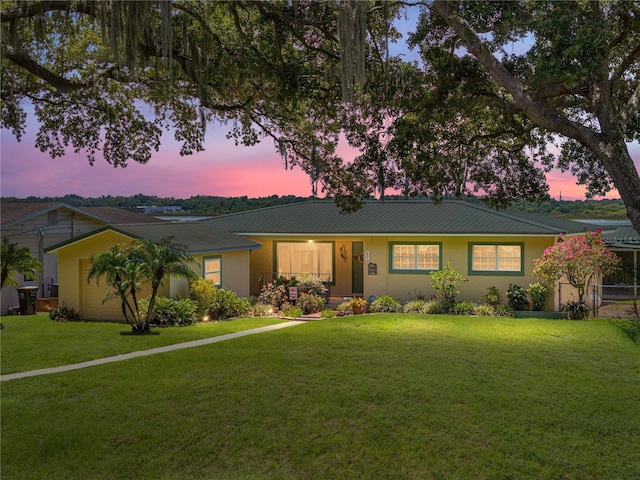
(616, 301)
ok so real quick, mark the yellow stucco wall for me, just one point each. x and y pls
(70, 259)
(235, 273)
(455, 250)
(235, 270)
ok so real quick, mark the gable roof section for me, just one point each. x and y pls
(400, 217)
(14, 213)
(196, 237)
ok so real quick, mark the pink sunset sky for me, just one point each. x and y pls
(223, 169)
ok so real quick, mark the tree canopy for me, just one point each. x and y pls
(498, 83)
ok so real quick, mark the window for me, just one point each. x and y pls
(213, 269)
(414, 257)
(496, 259)
(304, 257)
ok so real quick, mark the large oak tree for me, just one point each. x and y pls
(577, 80)
(474, 118)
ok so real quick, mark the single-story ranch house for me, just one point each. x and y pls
(391, 247)
(384, 248)
(220, 256)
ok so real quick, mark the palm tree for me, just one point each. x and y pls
(125, 269)
(15, 259)
(124, 275)
(158, 260)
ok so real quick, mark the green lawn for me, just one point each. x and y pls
(32, 342)
(373, 396)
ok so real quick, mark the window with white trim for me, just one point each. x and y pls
(414, 257)
(213, 270)
(496, 258)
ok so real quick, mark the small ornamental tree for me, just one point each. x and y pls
(577, 259)
(445, 282)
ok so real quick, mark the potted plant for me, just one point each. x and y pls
(358, 305)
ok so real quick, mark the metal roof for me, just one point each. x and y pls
(623, 237)
(403, 217)
(196, 237)
(16, 212)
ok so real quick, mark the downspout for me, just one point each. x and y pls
(41, 259)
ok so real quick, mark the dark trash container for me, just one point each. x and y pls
(27, 297)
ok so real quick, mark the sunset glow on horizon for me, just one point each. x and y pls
(223, 169)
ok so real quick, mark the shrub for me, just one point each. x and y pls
(63, 314)
(307, 283)
(327, 313)
(226, 304)
(273, 294)
(414, 306)
(344, 308)
(202, 291)
(169, 312)
(431, 306)
(492, 297)
(436, 306)
(464, 308)
(261, 310)
(445, 281)
(517, 297)
(503, 311)
(291, 311)
(309, 303)
(485, 310)
(540, 295)
(576, 310)
(385, 304)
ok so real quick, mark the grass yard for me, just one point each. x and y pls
(31, 342)
(360, 397)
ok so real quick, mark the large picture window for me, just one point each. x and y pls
(304, 257)
(506, 259)
(213, 270)
(414, 257)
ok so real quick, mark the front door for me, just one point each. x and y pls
(357, 276)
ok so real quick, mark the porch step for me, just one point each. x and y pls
(333, 302)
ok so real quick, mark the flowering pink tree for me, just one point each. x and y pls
(577, 259)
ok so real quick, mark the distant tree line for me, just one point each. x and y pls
(198, 205)
(607, 209)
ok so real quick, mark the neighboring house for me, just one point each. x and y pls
(391, 247)
(220, 256)
(624, 241)
(40, 225)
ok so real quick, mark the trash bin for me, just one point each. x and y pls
(27, 297)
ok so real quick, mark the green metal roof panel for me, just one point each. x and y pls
(623, 237)
(196, 237)
(392, 217)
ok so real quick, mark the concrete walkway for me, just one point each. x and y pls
(144, 353)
